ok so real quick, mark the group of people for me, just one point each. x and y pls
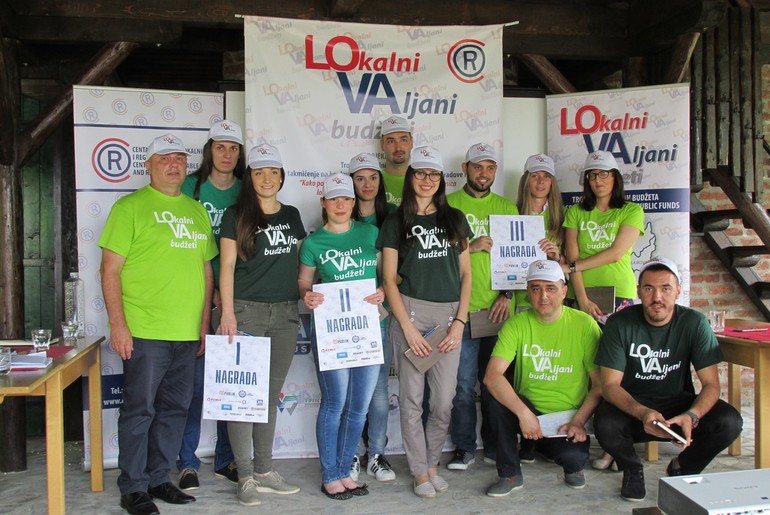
(428, 252)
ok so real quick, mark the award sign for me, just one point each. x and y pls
(514, 246)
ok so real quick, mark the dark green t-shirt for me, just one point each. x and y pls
(655, 361)
(271, 273)
(429, 267)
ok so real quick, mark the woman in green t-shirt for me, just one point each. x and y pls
(260, 241)
(539, 195)
(341, 250)
(427, 279)
(600, 233)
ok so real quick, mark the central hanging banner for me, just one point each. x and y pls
(319, 90)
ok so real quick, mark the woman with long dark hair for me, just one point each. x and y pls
(600, 233)
(260, 242)
(215, 184)
(427, 280)
(372, 208)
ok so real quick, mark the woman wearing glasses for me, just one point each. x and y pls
(427, 280)
(600, 232)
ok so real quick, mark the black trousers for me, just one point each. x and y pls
(617, 431)
(571, 456)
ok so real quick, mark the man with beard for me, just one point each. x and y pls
(645, 355)
(477, 201)
(396, 144)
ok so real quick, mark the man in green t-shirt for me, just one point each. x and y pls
(396, 144)
(477, 202)
(157, 283)
(554, 347)
(645, 357)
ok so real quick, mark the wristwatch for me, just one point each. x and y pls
(573, 267)
(508, 294)
(694, 418)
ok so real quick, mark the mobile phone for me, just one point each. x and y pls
(670, 431)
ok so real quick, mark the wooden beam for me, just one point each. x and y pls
(680, 57)
(660, 22)
(754, 214)
(635, 72)
(100, 67)
(344, 8)
(547, 73)
(84, 30)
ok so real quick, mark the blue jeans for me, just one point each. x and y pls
(223, 454)
(474, 357)
(380, 406)
(345, 398)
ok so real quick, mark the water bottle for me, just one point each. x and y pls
(74, 302)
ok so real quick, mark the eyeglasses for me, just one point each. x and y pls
(434, 176)
(601, 174)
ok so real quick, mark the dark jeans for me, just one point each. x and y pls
(617, 432)
(474, 358)
(157, 388)
(571, 456)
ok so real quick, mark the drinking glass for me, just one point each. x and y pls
(717, 320)
(5, 360)
(41, 339)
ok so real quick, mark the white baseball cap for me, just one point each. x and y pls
(363, 161)
(338, 185)
(600, 160)
(545, 270)
(426, 157)
(540, 163)
(481, 152)
(166, 144)
(394, 124)
(265, 156)
(665, 263)
(226, 131)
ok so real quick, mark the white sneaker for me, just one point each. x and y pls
(355, 468)
(380, 468)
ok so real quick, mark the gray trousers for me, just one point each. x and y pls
(278, 321)
(423, 445)
(157, 389)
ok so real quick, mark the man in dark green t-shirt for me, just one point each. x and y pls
(645, 356)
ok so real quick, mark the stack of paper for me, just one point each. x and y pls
(31, 361)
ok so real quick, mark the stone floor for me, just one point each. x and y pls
(544, 492)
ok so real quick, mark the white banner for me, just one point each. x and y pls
(236, 385)
(113, 127)
(648, 131)
(318, 91)
(347, 328)
(515, 245)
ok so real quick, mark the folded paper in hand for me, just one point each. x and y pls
(433, 336)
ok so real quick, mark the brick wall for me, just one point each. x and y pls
(711, 285)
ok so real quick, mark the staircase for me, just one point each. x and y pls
(727, 145)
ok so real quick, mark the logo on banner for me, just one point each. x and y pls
(111, 160)
(466, 60)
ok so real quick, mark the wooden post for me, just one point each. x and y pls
(547, 73)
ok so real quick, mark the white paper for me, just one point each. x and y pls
(237, 381)
(514, 246)
(347, 327)
(550, 423)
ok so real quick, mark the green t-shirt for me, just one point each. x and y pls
(429, 267)
(553, 359)
(215, 201)
(394, 187)
(165, 241)
(596, 231)
(477, 211)
(271, 273)
(346, 256)
(655, 361)
(372, 219)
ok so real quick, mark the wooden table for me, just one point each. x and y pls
(50, 383)
(740, 352)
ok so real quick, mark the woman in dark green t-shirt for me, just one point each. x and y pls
(259, 245)
(427, 280)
